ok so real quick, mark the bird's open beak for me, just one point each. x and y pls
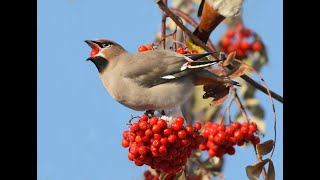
(93, 45)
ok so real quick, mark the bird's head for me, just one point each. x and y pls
(103, 52)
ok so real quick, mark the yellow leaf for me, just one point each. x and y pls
(191, 46)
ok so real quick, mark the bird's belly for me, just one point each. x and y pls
(163, 96)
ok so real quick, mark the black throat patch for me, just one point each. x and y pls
(100, 62)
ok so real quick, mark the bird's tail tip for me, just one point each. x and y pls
(235, 83)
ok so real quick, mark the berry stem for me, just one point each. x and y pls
(272, 103)
(264, 173)
(238, 102)
(204, 169)
(228, 109)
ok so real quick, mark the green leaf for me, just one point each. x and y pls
(265, 147)
(254, 171)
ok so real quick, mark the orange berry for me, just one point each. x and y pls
(230, 33)
(226, 41)
(231, 48)
(244, 45)
(180, 50)
(149, 47)
(239, 27)
(257, 46)
(142, 48)
(194, 52)
(246, 32)
(240, 53)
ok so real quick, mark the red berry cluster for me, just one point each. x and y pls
(182, 50)
(145, 48)
(149, 176)
(238, 39)
(220, 139)
(166, 148)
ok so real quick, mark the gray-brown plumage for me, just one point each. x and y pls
(151, 80)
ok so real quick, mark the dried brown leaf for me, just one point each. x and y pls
(271, 173)
(265, 147)
(221, 98)
(254, 171)
(219, 93)
(219, 72)
(229, 59)
(239, 71)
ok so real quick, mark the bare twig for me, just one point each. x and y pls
(163, 26)
(191, 21)
(198, 42)
(194, 38)
(258, 86)
(228, 109)
(259, 157)
(239, 104)
(272, 103)
(245, 115)
(204, 169)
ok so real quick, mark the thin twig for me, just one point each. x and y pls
(163, 26)
(259, 157)
(258, 86)
(192, 22)
(238, 102)
(198, 42)
(228, 108)
(204, 169)
(245, 115)
(272, 103)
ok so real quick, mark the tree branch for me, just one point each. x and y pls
(198, 42)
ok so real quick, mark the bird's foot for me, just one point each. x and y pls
(149, 113)
(163, 113)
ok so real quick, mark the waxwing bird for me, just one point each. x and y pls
(151, 80)
(212, 13)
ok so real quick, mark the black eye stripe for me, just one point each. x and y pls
(100, 44)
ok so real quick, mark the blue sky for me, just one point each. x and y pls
(80, 125)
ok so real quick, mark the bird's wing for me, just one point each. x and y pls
(151, 68)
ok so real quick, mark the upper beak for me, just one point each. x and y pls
(91, 44)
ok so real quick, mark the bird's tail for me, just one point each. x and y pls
(210, 19)
(208, 77)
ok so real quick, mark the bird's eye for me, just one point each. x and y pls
(106, 45)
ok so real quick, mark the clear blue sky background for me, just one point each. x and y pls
(80, 125)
